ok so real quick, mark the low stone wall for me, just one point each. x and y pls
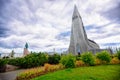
(3, 68)
(7, 68)
(11, 67)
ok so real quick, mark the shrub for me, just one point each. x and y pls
(79, 63)
(46, 67)
(29, 61)
(98, 62)
(15, 61)
(115, 60)
(34, 72)
(88, 58)
(5, 57)
(54, 59)
(118, 54)
(3, 63)
(50, 68)
(30, 73)
(68, 60)
(104, 56)
(42, 59)
(34, 60)
(78, 57)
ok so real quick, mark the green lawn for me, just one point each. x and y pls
(103, 72)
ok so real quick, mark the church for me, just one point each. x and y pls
(79, 43)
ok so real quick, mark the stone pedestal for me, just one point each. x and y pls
(26, 52)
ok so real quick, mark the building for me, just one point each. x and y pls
(79, 42)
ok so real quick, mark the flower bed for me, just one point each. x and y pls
(34, 72)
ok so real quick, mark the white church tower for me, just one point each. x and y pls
(79, 42)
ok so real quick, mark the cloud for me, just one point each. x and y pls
(3, 31)
(113, 13)
(46, 24)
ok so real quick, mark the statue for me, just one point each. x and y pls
(26, 52)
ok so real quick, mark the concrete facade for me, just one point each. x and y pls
(79, 42)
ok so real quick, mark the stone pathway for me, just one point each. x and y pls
(9, 75)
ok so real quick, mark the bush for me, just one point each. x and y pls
(88, 58)
(51, 68)
(15, 61)
(118, 54)
(28, 74)
(35, 72)
(3, 63)
(29, 61)
(78, 57)
(79, 63)
(5, 57)
(115, 60)
(34, 60)
(54, 59)
(104, 56)
(98, 62)
(68, 60)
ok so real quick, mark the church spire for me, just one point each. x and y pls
(75, 13)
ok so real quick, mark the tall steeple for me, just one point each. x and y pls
(79, 42)
(75, 13)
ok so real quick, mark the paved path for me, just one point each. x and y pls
(9, 75)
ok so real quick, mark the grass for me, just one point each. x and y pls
(102, 72)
